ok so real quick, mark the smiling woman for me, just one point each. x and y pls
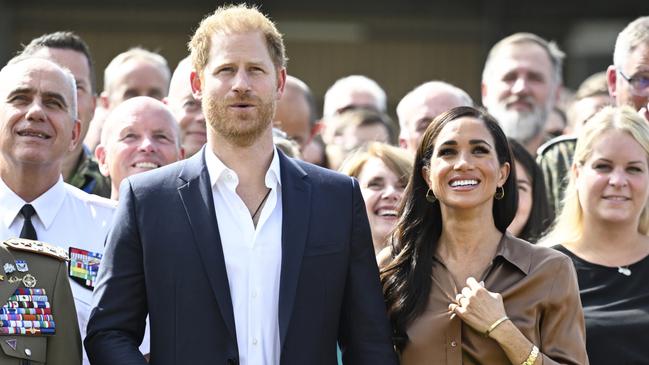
(459, 289)
(382, 172)
(603, 227)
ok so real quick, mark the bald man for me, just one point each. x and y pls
(186, 109)
(421, 105)
(139, 135)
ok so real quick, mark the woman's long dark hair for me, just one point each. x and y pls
(540, 215)
(407, 279)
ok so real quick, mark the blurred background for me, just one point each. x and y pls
(400, 44)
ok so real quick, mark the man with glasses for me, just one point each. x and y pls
(628, 77)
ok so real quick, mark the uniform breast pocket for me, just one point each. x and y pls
(323, 248)
(20, 350)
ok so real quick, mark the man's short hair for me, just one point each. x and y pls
(63, 40)
(66, 73)
(633, 35)
(424, 89)
(135, 53)
(551, 49)
(353, 83)
(230, 19)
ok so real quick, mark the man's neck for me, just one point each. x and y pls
(249, 162)
(71, 162)
(29, 182)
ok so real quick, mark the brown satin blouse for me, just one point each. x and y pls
(541, 296)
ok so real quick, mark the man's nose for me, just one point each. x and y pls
(36, 112)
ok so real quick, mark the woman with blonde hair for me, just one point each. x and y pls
(459, 288)
(603, 228)
(382, 172)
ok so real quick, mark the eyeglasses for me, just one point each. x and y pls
(639, 83)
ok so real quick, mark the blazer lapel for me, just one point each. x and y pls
(296, 202)
(196, 194)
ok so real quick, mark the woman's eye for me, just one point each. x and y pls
(481, 150)
(446, 152)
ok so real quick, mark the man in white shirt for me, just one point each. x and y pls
(39, 126)
(245, 256)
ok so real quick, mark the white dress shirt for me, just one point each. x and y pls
(65, 217)
(253, 257)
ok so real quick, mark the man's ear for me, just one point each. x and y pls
(76, 135)
(483, 91)
(100, 155)
(611, 80)
(197, 86)
(281, 82)
(103, 100)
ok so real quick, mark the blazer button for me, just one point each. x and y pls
(233, 361)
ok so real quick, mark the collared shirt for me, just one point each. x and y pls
(541, 297)
(253, 257)
(65, 217)
(87, 177)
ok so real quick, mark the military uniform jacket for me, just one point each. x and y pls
(36, 297)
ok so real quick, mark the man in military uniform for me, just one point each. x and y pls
(38, 324)
(70, 51)
(38, 127)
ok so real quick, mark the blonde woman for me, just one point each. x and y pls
(382, 172)
(603, 228)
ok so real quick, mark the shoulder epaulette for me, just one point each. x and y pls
(554, 141)
(39, 247)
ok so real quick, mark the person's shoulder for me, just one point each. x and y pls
(36, 248)
(321, 174)
(557, 145)
(97, 202)
(539, 255)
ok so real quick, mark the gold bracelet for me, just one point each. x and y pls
(495, 324)
(533, 355)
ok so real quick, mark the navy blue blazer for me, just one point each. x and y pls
(164, 258)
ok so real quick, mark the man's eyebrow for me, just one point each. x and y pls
(21, 90)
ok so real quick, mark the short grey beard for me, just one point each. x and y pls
(521, 126)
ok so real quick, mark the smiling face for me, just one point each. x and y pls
(613, 183)
(239, 87)
(36, 124)
(464, 171)
(141, 135)
(382, 190)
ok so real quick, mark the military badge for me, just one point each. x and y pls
(9, 268)
(84, 266)
(21, 265)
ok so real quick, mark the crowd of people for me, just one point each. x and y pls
(211, 215)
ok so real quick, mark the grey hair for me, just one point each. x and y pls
(633, 35)
(551, 48)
